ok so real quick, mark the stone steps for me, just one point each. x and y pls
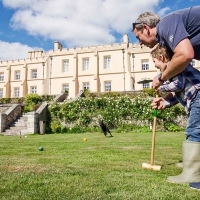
(18, 127)
(13, 133)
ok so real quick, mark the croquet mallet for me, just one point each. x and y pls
(151, 165)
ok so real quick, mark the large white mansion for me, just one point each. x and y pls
(111, 67)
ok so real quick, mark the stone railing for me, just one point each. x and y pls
(61, 97)
(42, 117)
(42, 111)
(4, 107)
(36, 121)
(80, 94)
(9, 116)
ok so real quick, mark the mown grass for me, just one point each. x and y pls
(101, 168)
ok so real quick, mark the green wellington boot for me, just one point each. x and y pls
(191, 164)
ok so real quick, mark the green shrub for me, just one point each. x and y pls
(55, 126)
(5, 100)
(28, 108)
(111, 94)
(121, 113)
(87, 93)
(32, 102)
(33, 99)
(47, 97)
(170, 126)
(17, 100)
(150, 92)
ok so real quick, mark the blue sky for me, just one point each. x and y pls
(27, 25)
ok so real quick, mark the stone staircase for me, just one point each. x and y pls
(18, 127)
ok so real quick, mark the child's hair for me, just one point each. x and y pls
(159, 50)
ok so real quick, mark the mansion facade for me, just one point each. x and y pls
(111, 67)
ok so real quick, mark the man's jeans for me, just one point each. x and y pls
(193, 125)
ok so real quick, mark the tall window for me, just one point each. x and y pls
(17, 75)
(86, 86)
(65, 65)
(33, 89)
(146, 85)
(107, 61)
(34, 73)
(16, 92)
(65, 87)
(107, 86)
(1, 92)
(85, 64)
(1, 76)
(145, 64)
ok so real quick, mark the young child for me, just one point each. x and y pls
(183, 88)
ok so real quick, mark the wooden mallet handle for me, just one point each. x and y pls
(153, 136)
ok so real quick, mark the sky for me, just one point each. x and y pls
(27, 25)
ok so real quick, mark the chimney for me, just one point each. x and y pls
(57, 46)
(125, 38)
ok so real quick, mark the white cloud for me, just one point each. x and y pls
(13, 51)
(77, 22)
(163, 11)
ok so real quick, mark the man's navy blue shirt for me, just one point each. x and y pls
(179, 25)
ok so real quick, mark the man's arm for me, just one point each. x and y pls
(183, 55)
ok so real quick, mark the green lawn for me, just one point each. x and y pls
(101, 168)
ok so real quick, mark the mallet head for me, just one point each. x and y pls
(152, 167)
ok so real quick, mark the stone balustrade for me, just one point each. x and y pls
(9, 116)
(61, 97)
(34, 119)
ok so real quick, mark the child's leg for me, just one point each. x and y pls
(191, 148)
(193, 126)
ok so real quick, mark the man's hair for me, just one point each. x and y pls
(159, 50)
(148, 18)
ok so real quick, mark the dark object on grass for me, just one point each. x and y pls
(195, 186)
(41, 149)
(104, 128)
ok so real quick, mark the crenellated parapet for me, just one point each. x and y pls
(38, 56)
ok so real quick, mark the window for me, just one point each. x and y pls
(65, 65)
(34, 73)
(1, 76)
(17, 75)
(86, 86)
(34, 90)
(107, 86)
(16, 90)
(146, 85)
(85, 64)
(145, 64)
(1, 92)
(107, 61)
(66, 87)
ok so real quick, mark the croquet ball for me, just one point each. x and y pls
(85, 139)
(41, 149)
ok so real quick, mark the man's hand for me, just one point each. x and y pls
(156, 83)
(158, 103)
